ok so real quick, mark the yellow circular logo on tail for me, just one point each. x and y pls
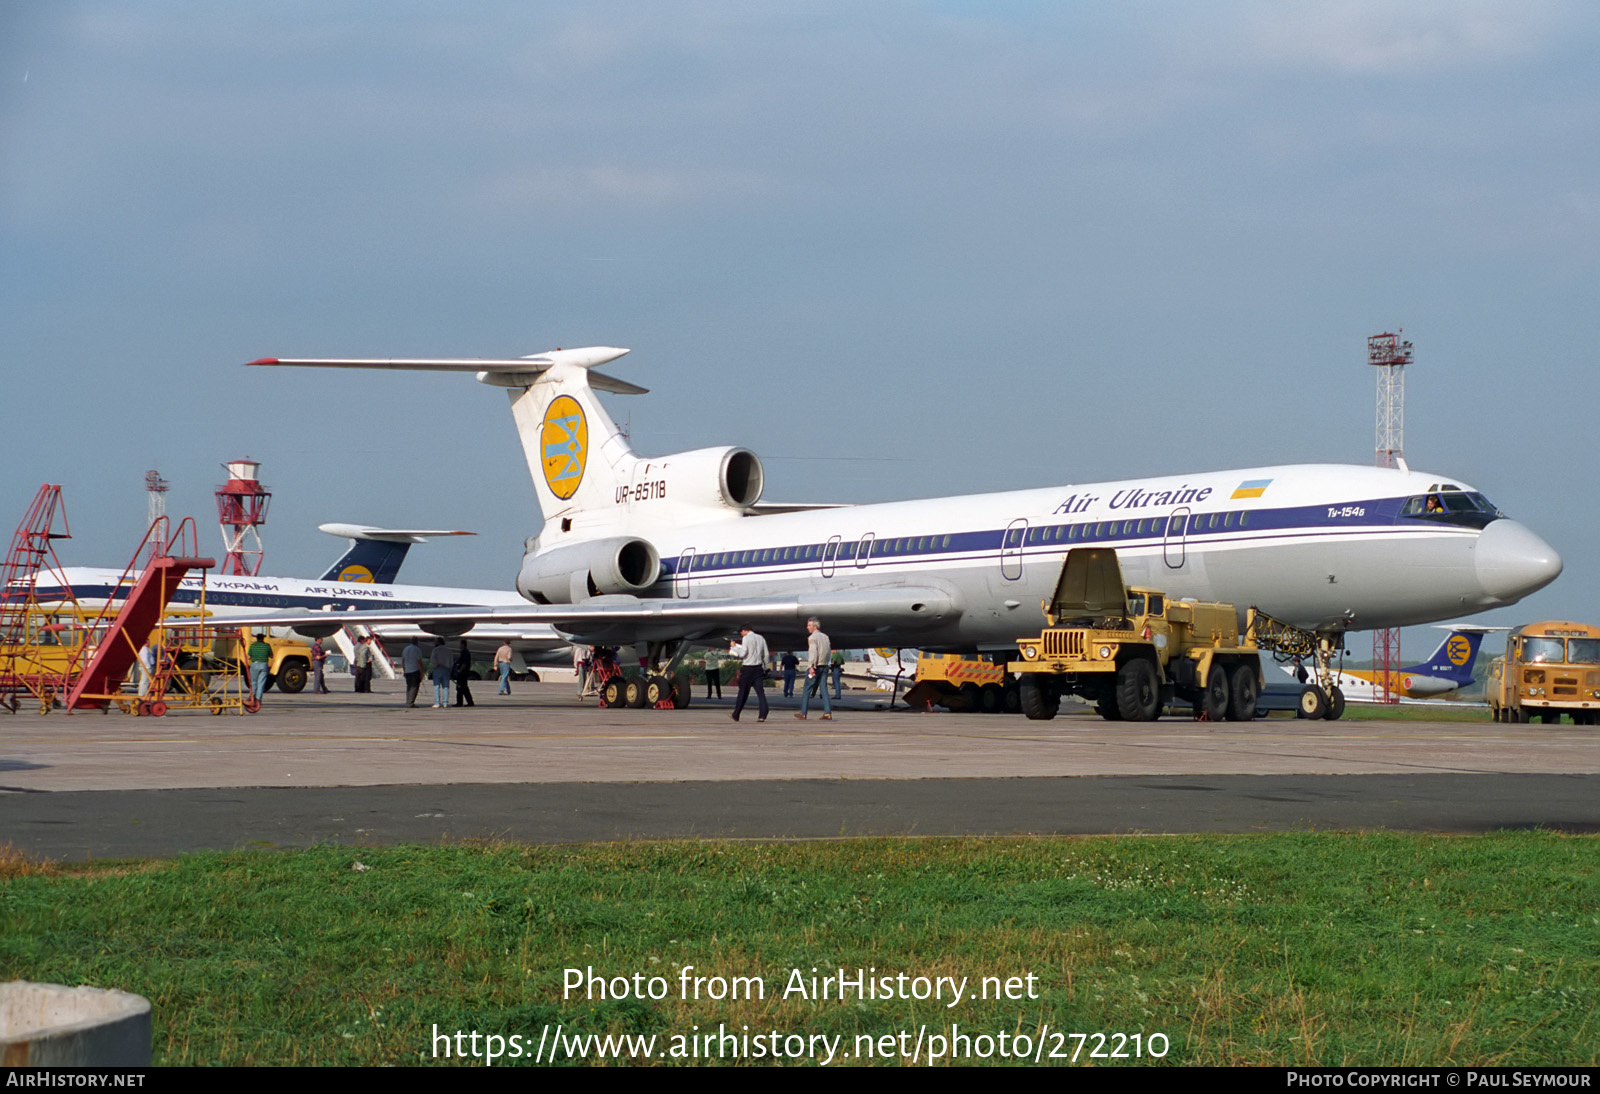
(1458, 650)
(356, 572)
(564, 442)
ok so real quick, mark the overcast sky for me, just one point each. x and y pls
(897, 249)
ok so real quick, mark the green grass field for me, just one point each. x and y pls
(1301, 948)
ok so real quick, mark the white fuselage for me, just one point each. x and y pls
(1320, 546)
(229, 596)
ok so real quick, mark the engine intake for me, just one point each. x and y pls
(567, 575)
(706, 478)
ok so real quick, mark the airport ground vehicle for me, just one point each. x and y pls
(963, 682)
(1549, 669)
(290, 667)
(44, 651)
(1132, 650)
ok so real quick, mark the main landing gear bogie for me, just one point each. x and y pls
(659, 687)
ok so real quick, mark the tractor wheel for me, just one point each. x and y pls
(1039, 701)
(1242, 700)
(1214, 699)
(1138, 691)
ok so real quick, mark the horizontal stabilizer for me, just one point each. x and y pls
(521, 368)
(388, 535)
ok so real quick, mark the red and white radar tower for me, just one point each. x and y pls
(1390, 356)
(242, 510)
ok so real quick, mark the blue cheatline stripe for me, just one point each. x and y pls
(1201, 529)
(222, 599)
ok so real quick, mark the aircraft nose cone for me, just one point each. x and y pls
(1512, 562)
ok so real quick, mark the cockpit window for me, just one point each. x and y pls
(1459, 507)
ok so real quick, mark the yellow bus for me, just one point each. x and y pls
(1549, 669)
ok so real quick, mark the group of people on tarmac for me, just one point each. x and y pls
(447, 666)
(753, 655)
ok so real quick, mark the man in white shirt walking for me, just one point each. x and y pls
(751, 649)
(818, 650)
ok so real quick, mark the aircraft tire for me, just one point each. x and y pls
(633, 694)
(1335, 705)
(1214, 699)
(611, 693)
(1138, 691)
(682, 691)
(657, 689)
(991, 699)
(1038, 700)
(1242, 694)
(1313, 702)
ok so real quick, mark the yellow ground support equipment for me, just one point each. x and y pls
(39, 643)
(962, 682)
(1131, 651)
(125, 626)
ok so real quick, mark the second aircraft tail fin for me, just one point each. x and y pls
(1454, 657)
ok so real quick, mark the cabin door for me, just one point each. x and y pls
(680, 583)
(1011, 542)
(1173, 548)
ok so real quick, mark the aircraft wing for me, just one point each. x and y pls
(625, 620)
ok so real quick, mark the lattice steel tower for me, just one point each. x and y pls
(1390, 356)
(157, 488)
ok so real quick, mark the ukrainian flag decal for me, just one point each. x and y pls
(1251, 488)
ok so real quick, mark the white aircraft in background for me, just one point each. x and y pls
(664, 552)
(889, 668)
(362, 578)
(1447, 670)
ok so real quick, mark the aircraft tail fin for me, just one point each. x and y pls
(1454, 658)
(575, 452)
(577, 456)
(375, 554)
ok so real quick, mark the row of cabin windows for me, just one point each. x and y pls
(916, 545)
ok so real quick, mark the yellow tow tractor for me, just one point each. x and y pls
(1130, 651)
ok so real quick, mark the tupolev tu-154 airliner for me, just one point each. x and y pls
(664, 552)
